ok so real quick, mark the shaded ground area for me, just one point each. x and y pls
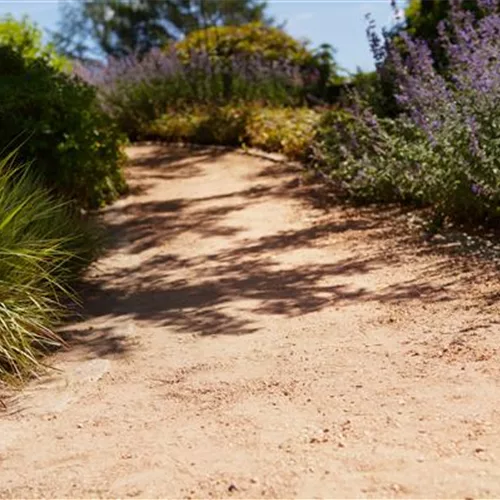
(243, 339)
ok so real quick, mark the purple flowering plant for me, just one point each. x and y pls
(443, 150)
(136, 91)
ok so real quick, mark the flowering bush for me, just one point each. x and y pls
(444, 149)
(137, 91)
(364, 156)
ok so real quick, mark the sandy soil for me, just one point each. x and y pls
(242, 341)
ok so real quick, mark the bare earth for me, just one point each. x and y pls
(241, 341)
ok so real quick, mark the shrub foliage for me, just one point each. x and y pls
(57, 122)
(219, 66)
(283, 130)
(225, 125)
(249, 40)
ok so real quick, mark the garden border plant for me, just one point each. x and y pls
(68, 157)
(442, 151)
(56, 120)
(44, 245)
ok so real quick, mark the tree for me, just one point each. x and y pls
(26, 38)
(121, 27)
(424, 16)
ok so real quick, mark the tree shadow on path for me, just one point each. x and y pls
(230, 290)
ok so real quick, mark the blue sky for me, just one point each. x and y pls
(338, 22)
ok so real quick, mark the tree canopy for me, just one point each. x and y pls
(26, 38)
(122, 27)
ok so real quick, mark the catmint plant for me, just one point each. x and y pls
(136, 90)
(443, 150)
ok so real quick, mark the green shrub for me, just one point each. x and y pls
(42, 248)
(75, 147)
(224, 125)
(248, 40)
(370, 88)
(176, 127)
(26, 39)
(284, 130)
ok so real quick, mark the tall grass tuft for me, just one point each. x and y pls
(43, 246)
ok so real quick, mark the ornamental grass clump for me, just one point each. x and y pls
(443, 150)
(42, 248)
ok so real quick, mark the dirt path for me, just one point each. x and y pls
(239, 342)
